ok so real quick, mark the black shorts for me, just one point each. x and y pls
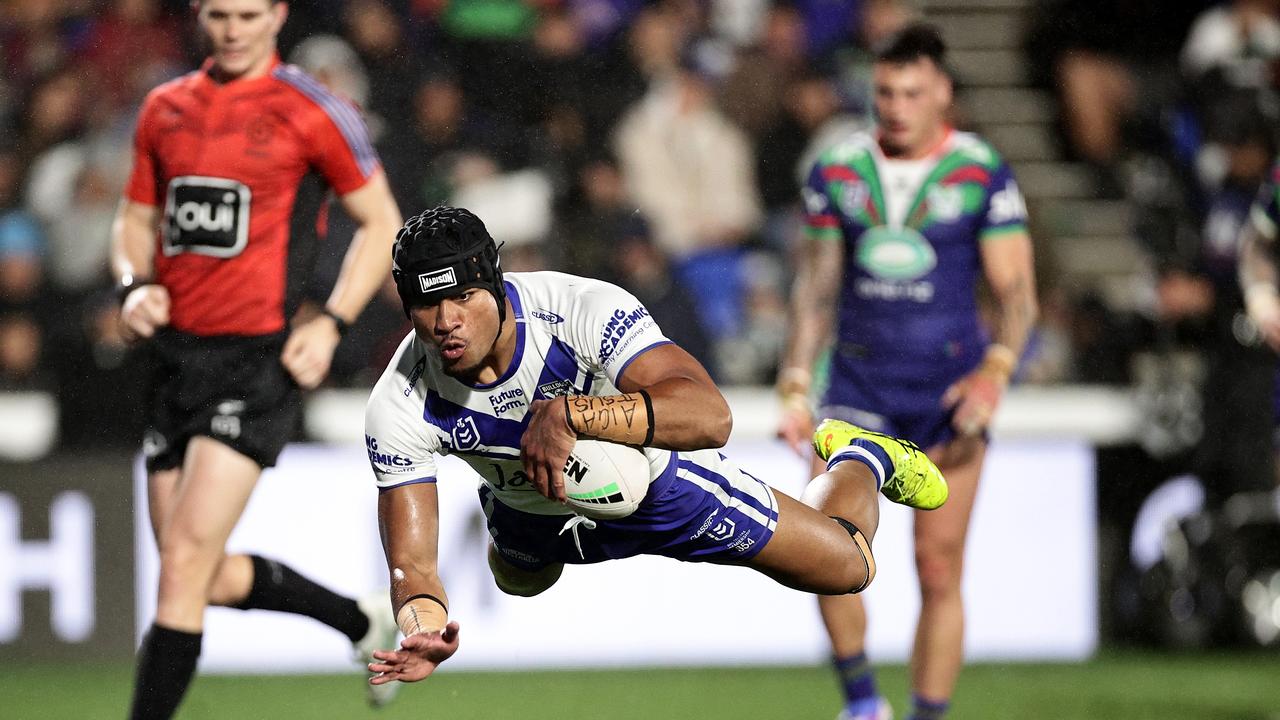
(231, 389)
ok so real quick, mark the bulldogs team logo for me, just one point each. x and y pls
(465, 435)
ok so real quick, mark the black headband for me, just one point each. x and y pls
(428, 280)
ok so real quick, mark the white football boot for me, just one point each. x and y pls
(381, 636)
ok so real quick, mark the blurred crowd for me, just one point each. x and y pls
(1178, 121)
(655, 143)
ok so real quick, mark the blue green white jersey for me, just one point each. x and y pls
(908, 321)
(911, 230)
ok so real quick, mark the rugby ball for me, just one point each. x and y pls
(604, 480)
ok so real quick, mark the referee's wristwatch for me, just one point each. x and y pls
(338, 322)
(129, 283)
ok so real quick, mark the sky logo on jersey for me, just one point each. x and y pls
(895, 253)
(547, 316)
(815, 203)
(465, 435)
(437, 280)
(616, 330)
(1007, 205)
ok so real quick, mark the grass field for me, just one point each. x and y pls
(1123, 686)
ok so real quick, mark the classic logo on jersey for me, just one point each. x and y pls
(556, 388)
(895, 253)
(465, 435)
(205, 216)
(1007, 205)
(615, 331)
(507, 400)
(414, 375)
(437, 280)
(547, 316)
(389, 463)
(723, 530)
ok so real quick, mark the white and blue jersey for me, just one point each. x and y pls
(573, 336)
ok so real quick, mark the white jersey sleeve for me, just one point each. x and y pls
(401, 446)
(615, 327)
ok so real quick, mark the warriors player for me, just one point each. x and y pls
(508, 372)
(202, 252)
(901, 224)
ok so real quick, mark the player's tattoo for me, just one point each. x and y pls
(619, 418)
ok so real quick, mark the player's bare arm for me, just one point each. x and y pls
(309, 350)
(145, 305)
(1009, 269)
(1257, 268)
(816, 289)
(668, 401)
(408, 517)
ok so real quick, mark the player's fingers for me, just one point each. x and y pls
(450, 632)
(557, 486)
(953, 394)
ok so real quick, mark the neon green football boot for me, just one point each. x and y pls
(915, 481)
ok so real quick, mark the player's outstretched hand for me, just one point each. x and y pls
(974, 398)
(145, 310)
(309, 351)
(419, 656)
(545, 447)
(796, 430)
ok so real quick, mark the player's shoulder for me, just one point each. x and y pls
(556, 291)
(851, 148)
(310, 95)
(974, 148)
(172, 90)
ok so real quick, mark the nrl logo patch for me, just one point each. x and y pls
(437, 280)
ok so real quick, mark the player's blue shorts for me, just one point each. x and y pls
(899, 399)
(702, 508)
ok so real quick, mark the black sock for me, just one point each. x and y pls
(278, 587)
(166, 664)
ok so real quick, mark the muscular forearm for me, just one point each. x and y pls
(368, 261)
(364, 270)
(813, 302)
(678, 414)
(408, 521)
(1016, 312)
(133, 240)
(418, 598)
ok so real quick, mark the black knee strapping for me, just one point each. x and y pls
(854, 534)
